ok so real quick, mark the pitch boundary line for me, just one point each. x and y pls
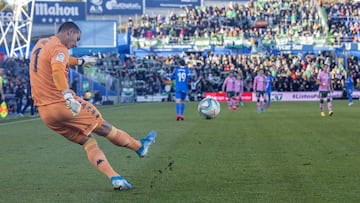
(38, 118)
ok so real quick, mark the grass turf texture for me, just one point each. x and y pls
(287, 154)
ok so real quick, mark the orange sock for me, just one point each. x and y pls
(97, 158)
(123, 139)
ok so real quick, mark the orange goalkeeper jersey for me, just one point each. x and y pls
(46, 53)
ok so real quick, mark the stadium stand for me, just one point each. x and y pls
(258, 25)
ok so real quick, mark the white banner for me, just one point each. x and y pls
(304, 96)
(152, 98)
(250, 96)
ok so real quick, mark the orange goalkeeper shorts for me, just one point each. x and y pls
(60, 119)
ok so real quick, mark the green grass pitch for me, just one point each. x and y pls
(287, 154)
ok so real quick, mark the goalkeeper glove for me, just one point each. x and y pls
(72, 103)
(87, 61)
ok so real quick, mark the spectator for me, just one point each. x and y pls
(29, 101)
(19, 95)
(97, 97)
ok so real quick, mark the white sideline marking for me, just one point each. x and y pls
(38, 118)
(17, 122)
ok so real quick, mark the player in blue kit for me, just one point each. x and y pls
(349, 83)
(182, 76)
(268, 88)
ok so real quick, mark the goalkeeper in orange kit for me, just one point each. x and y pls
(66, 113)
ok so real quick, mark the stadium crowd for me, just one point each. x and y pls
(262, 20)
(343, 20)
(258, 21)
(151, 73)
(290, 72)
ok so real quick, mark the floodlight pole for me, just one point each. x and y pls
(20, 26)
(4, 33)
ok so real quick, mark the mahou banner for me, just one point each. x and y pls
(57, 12)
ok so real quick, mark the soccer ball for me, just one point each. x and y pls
(209, 108)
